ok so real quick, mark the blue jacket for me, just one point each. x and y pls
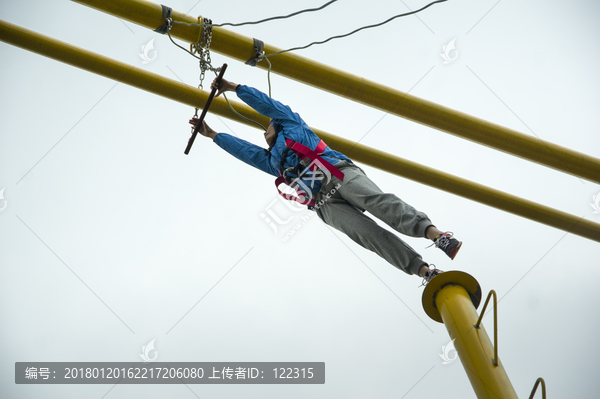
(292, 127)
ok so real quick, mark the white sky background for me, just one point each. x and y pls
(111, 235)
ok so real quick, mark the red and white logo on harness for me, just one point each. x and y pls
(316, 171)
(320, 170)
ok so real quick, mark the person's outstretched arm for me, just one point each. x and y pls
(243, 150)
(260, 102)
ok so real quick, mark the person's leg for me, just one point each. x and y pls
(361, 192)
(433, 232)
(346, 218)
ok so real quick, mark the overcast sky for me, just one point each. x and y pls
(111, 237)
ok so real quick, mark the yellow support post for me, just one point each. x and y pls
(452, 298)
(376, 95)
(194, 97)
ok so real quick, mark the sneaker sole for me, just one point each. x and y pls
(455, 250)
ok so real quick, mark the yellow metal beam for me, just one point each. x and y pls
(194, 97)
(353, 87)
(452, 298)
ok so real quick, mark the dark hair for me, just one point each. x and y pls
(278, 129)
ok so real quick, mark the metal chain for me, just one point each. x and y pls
(202, 48)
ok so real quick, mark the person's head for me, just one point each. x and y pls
(271, 133)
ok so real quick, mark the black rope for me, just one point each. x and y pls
(259, 45)
(357, 30)
(314, 9)
(264, 20)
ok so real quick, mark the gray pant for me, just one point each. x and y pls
(343, 210)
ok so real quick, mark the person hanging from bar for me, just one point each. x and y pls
(329, 183)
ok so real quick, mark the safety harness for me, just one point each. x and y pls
(308, 158)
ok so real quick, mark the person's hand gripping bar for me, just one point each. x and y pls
(205, 110)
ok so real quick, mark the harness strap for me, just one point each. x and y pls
(320, 147)
(306, 152)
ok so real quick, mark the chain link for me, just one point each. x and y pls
(202, 48)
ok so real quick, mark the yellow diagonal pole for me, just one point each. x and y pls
(452, 298)
(194, 97)
(376, 95)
